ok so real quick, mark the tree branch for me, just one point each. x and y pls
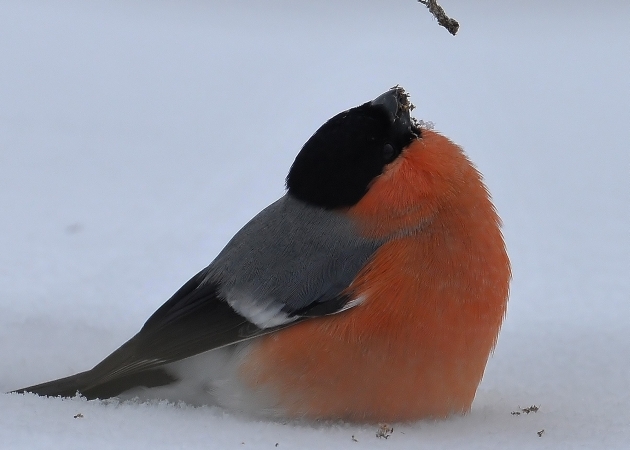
(438, 12)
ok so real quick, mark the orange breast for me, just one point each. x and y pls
(417, 347)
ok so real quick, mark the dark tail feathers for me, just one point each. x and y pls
(84, 384)
(63, 387)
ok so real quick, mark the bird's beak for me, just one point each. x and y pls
(396, 103)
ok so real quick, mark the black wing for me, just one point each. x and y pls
(194, 320)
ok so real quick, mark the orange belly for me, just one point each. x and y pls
(416, 348)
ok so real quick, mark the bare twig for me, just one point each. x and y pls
(438, 12)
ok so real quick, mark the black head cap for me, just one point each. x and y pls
(337, 164)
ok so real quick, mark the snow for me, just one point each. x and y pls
(137, 137)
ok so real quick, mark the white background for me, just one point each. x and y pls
(136, 137)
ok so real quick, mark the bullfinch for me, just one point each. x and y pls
(373, 290)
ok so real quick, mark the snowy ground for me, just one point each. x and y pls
(137, 136)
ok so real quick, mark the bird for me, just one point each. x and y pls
(373, 290)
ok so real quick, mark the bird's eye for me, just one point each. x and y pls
(388, 153)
